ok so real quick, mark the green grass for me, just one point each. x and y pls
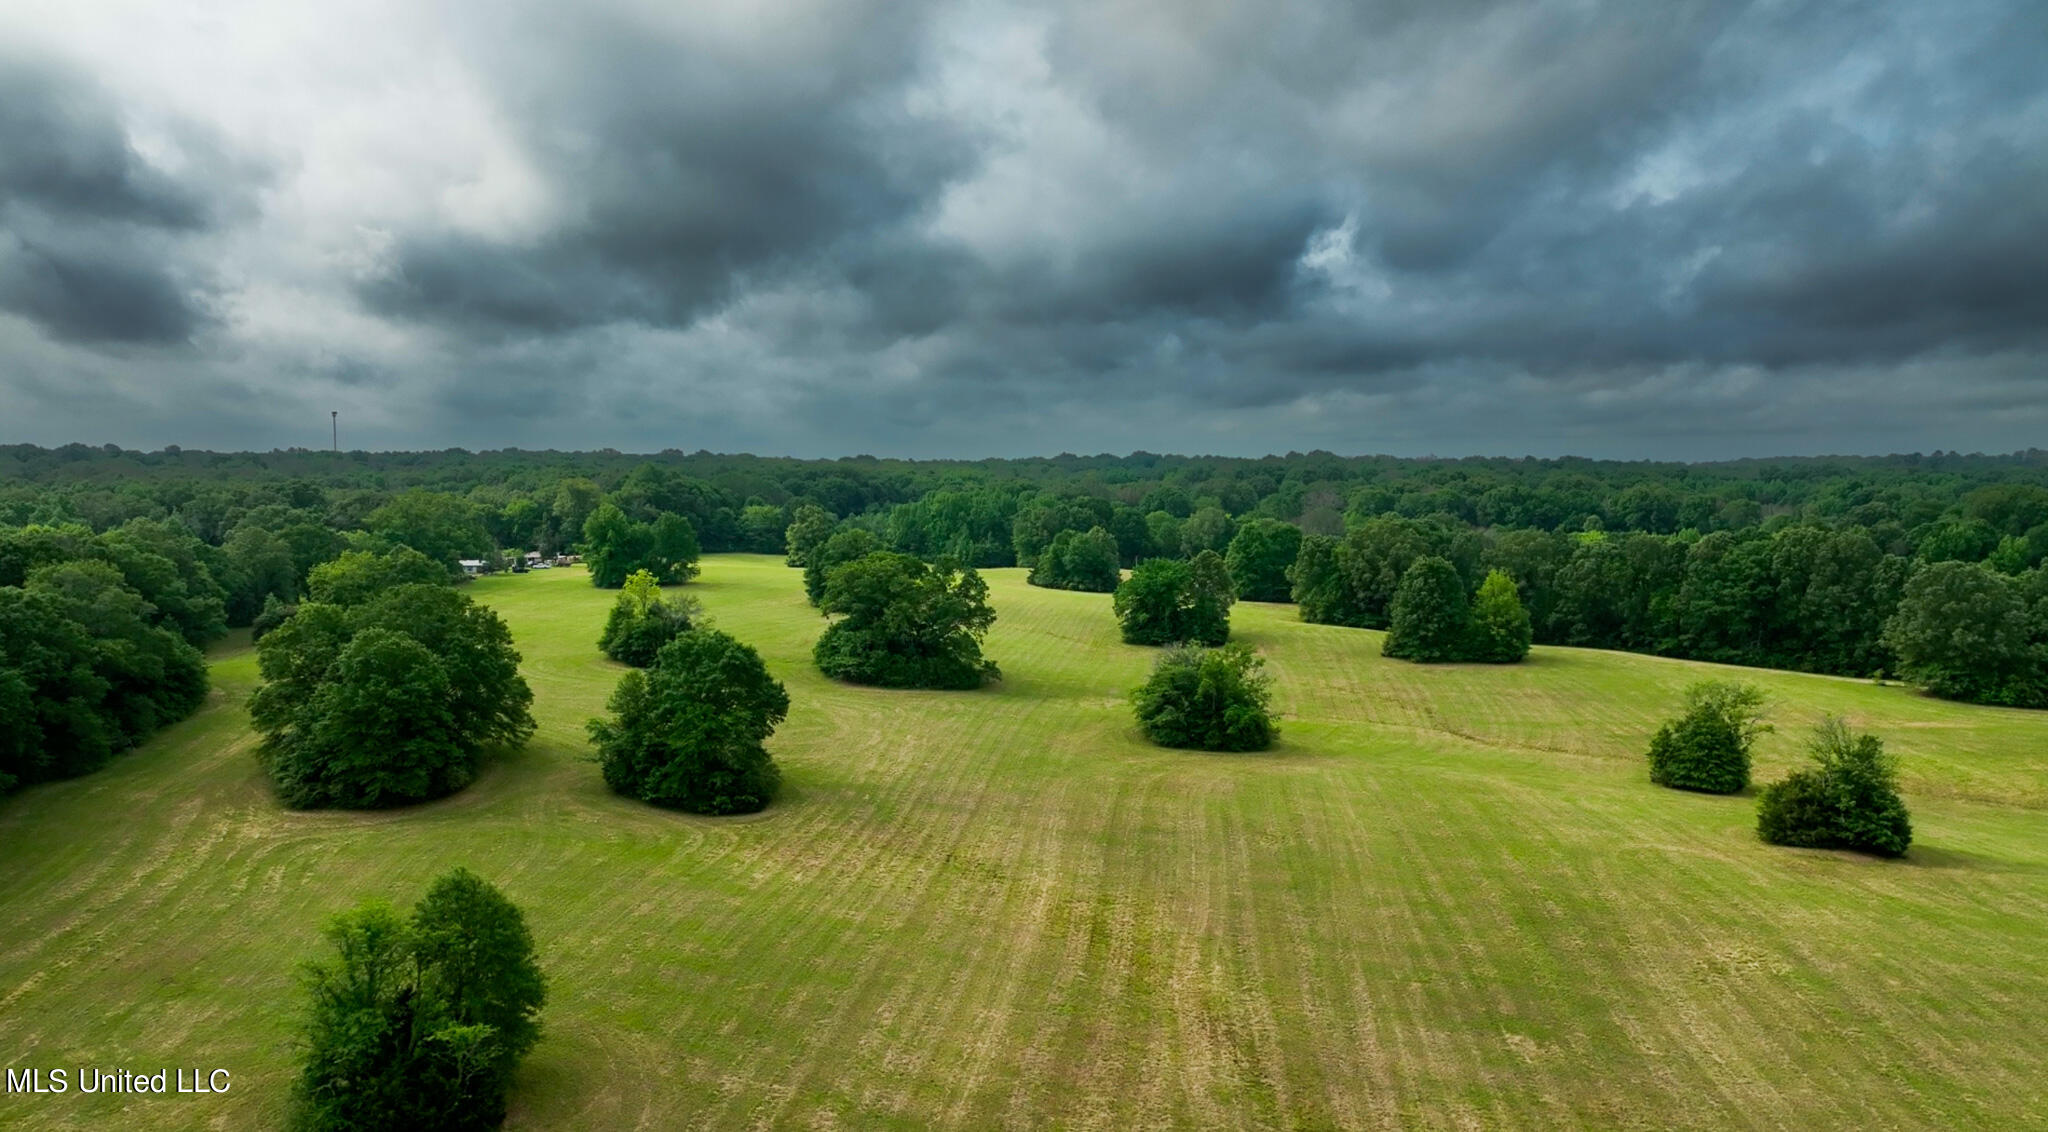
(1449, 898)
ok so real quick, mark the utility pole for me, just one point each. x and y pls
(335, 414)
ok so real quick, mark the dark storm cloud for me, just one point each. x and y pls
(830, 227)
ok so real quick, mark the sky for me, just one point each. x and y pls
(830, 227)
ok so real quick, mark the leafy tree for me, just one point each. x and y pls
(1164, 530)
(1707, 748)
(1849, 798)
(575, 499)
(55, 718)
(358, 576)
(849, 545)
(1431, 620)
(274, 613)
(387, 702)
(1209, 699)
(1499, 626)
(808, 530)
(1167, 601)
(763, 529)
(420, 1022)
(642, 621)
(1206, 613)
(152, 676)
(614, 546)
(1317, 588)
(1260, 556)
(906, 624)
(1209, 528)
(1964, 633)
(687, 733)
(1075, 561)
(443, 527)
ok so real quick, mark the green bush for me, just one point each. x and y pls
(1207, 699)
(419, 1022)
(1707, 748)
(906, 624)
(1499, 631)
(1849, 798)
(642, 621)
(687, 733)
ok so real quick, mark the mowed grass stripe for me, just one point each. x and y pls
(1448, 899)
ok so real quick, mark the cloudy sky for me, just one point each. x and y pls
(823, 227)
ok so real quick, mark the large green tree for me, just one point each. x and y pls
(1168, 601)
(443, 527)
(688, 732)
(1208, 699)
(903, 623)
(614, 546)
(1431, 617)
(1260, 556)
(808, 529)
(1964, 632)
(1499, 630)
(1089, 561)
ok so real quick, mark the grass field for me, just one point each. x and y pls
(1450, 898)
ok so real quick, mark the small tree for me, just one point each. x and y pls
(1167, 601)
(1708, 747)
(687, 733)
(845, 546)
(614, 546)
(1849, 798)
(642, 621)
(1260, 556)
(906, 624)
(1429, 615)
(1209, 699)
(420, 1023)
(1500, 631)
(808, 530)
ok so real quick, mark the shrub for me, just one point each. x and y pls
(1849, 798)
(1166, 601)
(687, 733)
(642, 621)
(1429, 616)
(1208, 699)
(1499, 628)
(906, 624)
(420, 1022)
(1708, 747)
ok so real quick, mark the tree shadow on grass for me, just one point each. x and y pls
(1940, 857)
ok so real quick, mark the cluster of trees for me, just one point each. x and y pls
(687, 733)
(1848, 799)
(1433, 621)
(1087, 561)
(615, 546)
(100, 639)
(1207, 699)
(905, 623)
(387, 698)
(419, 1021)
(1167, 601)
(643, 620)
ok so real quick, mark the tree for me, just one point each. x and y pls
(614, 546)
(1430, 616)
(1167, 601)
(55, 718)
(808, 529)
(1207, 529)
(360, 575)
(1208, 699)
(387, 702)
(906, 624)
(1316, 587)
(151, 675)
(1707, 748)
(1963, 633)
(1260, 556)
(642, 621)
(1499, 627)
(1074, 561)
(845, 546)
(763, 529)
(420, 1022)
(1205, 619)
(443, 527)
(1849, 798)
(688, 732)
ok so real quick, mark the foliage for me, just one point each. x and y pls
(1849, 798)
(614, 546)
(642, 621)
(842, 547)
(356, 576)
(808, 530)
(386, 702)
(1499, 631)
(420, 1022)
(906, 624)
(1167, 601)
(1707, 748)
(1966, 633)
(1209, 699)
(1261, 554)
(445, 528)
(1431, 620)
(274, 613)
(1089, 562)
(687, 733)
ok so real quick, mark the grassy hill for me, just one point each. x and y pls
(1449, 898)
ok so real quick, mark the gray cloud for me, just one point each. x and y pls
(833, 227)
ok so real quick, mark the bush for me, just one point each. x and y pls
(1849, 799)
(642, 621)
(387, 702)
(906, 624)
(1430, 618)
(1499, 630)
(1166, 601)
(1708, 747)
(420, 1022)
(687, 733)
(1207, 699)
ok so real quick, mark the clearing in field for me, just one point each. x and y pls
(1449, 897)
